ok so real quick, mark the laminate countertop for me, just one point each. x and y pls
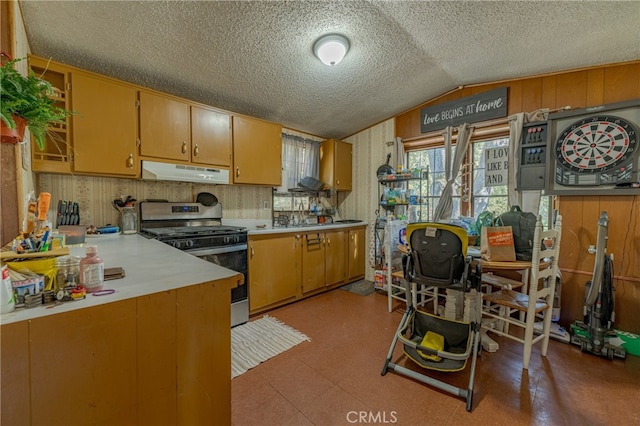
(268, 229)
(150, 267)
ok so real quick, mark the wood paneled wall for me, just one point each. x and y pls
(579, 89)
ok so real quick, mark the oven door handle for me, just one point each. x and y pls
(217, 250)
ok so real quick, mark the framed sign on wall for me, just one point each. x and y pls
(594, 151)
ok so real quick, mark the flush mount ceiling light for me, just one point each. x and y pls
(331, 48)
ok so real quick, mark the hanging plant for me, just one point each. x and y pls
(30, 98)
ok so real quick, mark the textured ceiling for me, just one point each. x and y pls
(256, 58)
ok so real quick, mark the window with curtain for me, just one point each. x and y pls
(300, 158)
(481, 197)
(432, 159)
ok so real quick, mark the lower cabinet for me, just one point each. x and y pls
(323, 260)
(274, 269)
(287, 267)
(162, 358)
(335, 263)
(357, 251)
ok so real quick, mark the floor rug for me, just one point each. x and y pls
(361, 287)
(259, 340)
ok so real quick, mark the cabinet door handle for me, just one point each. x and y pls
(196, 150)
(338, 182)
(252, 252)
(328, 241)
(184, 147)
(130, 161)
(237, 171)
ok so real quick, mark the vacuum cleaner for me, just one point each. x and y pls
(596, 330)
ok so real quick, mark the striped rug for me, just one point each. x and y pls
(259, 340)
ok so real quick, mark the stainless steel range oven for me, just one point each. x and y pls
(197, 229)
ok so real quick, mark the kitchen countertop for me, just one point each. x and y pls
(253, 229)
(150, 267)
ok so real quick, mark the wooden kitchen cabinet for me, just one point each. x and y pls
(336, 164)
(323, 259)
(89, 356)
(335, 264)
(56, 157)
(313, 259)
(291, 266)
(14, 364)
(210, 137)
(162, 358)
(101, 137)
(257, 152)
(357, 252)
(105, 130)
(165, 130)
(274, 269)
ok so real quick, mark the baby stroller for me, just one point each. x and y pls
(437, 258)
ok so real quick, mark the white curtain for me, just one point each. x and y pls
(529, 201)
(300, 158)
(444, 208)
(397, 154)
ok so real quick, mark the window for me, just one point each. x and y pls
(432, 159)
(299, 159)
(492, 198)
(482, 197)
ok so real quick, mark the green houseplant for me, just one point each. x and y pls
(27, 98)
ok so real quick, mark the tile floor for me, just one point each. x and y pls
(336, 377)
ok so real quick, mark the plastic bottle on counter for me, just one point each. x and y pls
(7, 298)
(92, 270)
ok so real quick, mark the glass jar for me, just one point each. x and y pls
(128, 220)
(68, 271)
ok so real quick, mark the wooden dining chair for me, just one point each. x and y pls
(537, 302)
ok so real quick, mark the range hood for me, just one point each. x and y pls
(153, 170)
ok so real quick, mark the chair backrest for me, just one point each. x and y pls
(438, 252)
(552, 237)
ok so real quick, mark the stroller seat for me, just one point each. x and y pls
(437, 258)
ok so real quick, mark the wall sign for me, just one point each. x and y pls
(496, 166)
(480, 107)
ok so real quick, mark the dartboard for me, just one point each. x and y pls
(596, 144)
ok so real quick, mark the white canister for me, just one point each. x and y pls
(7, 299)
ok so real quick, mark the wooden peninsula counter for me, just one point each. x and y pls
(157, 351)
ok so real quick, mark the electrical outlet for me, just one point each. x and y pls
(265, 205)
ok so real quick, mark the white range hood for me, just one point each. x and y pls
(153, 170)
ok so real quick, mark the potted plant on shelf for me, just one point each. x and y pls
(27, 101)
